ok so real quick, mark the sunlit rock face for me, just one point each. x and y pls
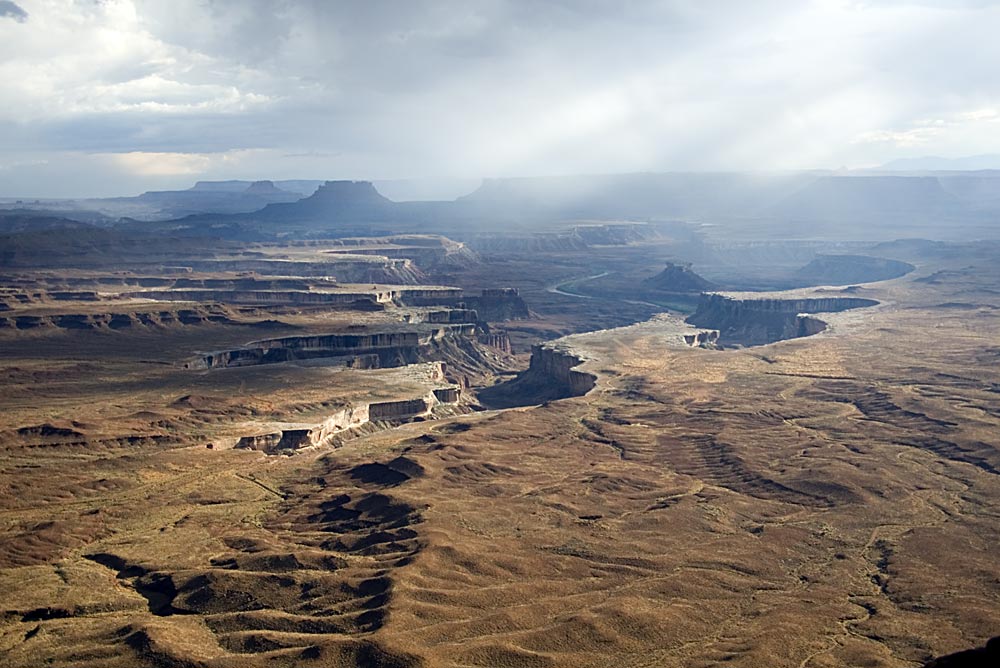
(554, 366)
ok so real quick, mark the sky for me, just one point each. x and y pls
(113, 97)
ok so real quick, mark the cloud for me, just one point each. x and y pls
(900, 138)
(173, 164)
(959, 129)
(11, 10)
(392, 89)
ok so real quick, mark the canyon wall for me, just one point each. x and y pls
(452, 316)
(752, 321)
(429, 253)
(376, 269)
(374, 349)
(556, 366)
(550, 375)
(492, 305)
(348, 420)
(116, 321)
(499, 304)
(359, 300)
(498, 339)
(579, 237)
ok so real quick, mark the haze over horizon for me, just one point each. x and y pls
(120, 96)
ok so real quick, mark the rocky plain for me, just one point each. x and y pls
(327, 432)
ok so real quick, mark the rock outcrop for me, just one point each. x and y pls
(12, 296)
(703, 339)
(366, 301)
(335, 201)
(357, 269)
(458, 344)
(348, 421)
(550, 375)
(390, 347)
(538, 242)
(754, 321)
(492, 305)
(578, 237)
(614, 234)
(498, 339)
(264, 188)
(499, 304)
(678, 278)
(430, 253)
(450, 316)
(556, 366)
(117, 321)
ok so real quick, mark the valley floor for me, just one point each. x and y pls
(831, 500)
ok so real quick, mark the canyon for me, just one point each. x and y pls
(576, 442)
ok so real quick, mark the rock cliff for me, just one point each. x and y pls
(753, 321)
(348, 421)
(430, 253)
(360, 300)
(459, 345)
(116, 321)
(492, 305)
(355, 269)
(550, 375)
(499, 304)
(556, 366)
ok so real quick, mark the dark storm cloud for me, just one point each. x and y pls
(11, 10)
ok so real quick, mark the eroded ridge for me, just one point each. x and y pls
(311, 585)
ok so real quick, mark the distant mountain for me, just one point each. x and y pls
(220, 186)
(933, 163)
(814, 205)
(264, 189)
(303, 187)
(221, 197)
(337, 208)
(335, 200)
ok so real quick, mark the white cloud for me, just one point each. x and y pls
(899, 138)
(981, 115)
(964, 131)
(76, 58)
(171, 164)
(391, 88)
